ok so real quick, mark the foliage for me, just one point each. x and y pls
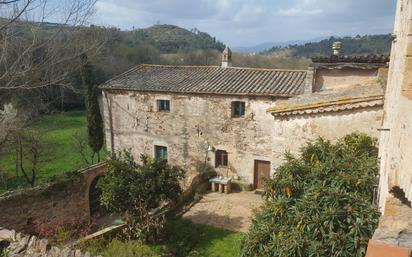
(57, 134)
(183, 238)
(93, 114)
(139, 192)
(4, 253)
(359, 45)
(319, 203)
(62, 233)
(204, 167)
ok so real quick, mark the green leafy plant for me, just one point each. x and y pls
(140, 192)
(319, 204)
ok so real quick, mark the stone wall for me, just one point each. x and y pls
(19, 245)
(62, 202)
(194, 122)
(395, 141)
(340, 78)
(291, 132)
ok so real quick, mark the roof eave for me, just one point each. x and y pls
(276, 111)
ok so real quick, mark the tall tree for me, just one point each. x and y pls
(94, 117)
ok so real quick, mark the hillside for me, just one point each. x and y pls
(359, 45)
(171, 38)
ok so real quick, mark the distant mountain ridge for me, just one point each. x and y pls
(359, 45)
(268, 45)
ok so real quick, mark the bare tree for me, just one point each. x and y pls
(82, 147)
(35, 53)
(31, 151)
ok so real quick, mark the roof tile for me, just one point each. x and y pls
(210, 80)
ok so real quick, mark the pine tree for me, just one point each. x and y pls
(94, 117)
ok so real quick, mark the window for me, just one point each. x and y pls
(238, 109)
(161, 152)
(221, 158)
(163, 105)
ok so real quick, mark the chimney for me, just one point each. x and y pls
(226, 58)
(337, 46)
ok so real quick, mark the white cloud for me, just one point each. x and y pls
(298, 11)
(241, 22)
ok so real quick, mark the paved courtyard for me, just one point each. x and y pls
(230, 211)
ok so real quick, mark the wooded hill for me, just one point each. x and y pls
(171, 38)
(359, 45)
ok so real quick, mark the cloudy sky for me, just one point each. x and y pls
(250, 22)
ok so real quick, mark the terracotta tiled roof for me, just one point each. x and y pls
(331, 101)
(351, 59)
(210, 80)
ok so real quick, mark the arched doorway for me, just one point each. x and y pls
(94, 199)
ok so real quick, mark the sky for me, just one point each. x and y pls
(251, 22)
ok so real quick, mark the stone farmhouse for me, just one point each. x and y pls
(240, 120)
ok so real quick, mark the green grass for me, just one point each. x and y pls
(183, 239)
(60, 154)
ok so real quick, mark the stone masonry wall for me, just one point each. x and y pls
(395, 141)
(59, 203)
(335, 79)
(198, 121)
(291, 133)
(18, 245)
(193, 123)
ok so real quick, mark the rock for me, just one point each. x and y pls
(405, 239)
(32, 241)
(43, 246)
(31, 246)
(6, 234)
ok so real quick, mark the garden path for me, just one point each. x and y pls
(229, 211)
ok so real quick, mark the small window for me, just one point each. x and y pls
(163, 105)
(161, 152)
(238, 109)
(221, 158)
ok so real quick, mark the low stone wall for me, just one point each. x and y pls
(19, 245)
(63, 202)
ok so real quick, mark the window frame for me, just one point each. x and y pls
(160, 149)
(221, 158)
(161, 107)
(235, 106)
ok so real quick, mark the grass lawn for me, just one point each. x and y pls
(184, 239)
(60, 154)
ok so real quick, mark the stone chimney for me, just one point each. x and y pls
(226, 58)
(337, 46)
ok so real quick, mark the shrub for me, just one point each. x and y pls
(116, 247)
(140, 193)
(319, 204)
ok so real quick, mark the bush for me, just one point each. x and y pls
(116, 247)
(319, 204)
(140, 193)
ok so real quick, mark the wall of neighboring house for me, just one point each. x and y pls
(396, 139)
(291, 132)
(340, 78)
(193, 123)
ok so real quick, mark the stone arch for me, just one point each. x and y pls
(91, 177)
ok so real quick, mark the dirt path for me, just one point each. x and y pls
(230, 211)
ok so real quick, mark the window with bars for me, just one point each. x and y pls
(238, 109)
(221, 159)
(163, 105)
(161, 152)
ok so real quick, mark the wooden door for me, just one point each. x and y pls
(262, 172)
